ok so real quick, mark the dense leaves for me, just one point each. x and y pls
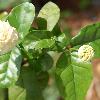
(34, 42)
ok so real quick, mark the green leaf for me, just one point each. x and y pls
(9, 68)
(51, 13)
(38, 40)
(76, 78)
(39, 45)
(21, 17)
(96, 47)
(87, 34)
(38, 34)
(62, 63)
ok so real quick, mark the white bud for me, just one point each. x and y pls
(85, 53)
(8, 37)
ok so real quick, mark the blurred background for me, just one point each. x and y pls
(74, 15)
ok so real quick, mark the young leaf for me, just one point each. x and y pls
(87, 34)
(51, 13)
(76, 78)
(9, 68)
(21, 17)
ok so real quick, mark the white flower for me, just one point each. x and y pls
(8, 37)
(85, 53)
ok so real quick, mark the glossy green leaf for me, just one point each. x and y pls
(21, 17)
(39, 45)
(38, 40)
(87, 34)
(77, 78)
(51, 13)
(9, 68)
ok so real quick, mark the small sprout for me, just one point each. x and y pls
(8, 37)
(85, 53)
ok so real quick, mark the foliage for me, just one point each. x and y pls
(25, 70)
